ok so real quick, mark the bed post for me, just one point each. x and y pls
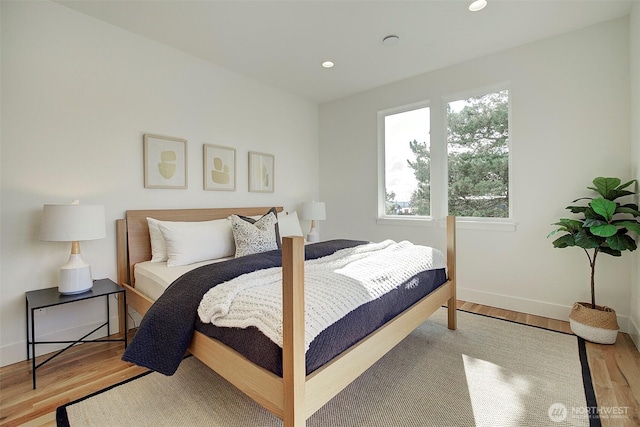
(452, 304)
(122, 266)
(293, 348)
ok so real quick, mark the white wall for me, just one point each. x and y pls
(634, 38)
(77, 96)
(570, 108)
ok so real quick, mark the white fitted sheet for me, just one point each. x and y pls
(152, 278)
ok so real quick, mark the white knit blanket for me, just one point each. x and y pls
(334, 286)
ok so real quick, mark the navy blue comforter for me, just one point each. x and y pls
(165, 331)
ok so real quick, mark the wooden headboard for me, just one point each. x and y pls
(132, 232)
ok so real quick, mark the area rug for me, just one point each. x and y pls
(489, 372)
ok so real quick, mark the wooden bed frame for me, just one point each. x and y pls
(296, 396)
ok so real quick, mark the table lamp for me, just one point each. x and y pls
(313, 211)
(73, 223)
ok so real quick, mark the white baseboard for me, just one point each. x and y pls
(17, 352)
(634, 333)
(522, 305)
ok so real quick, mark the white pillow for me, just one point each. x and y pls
(254, 238)
(189, 242)
(289, 224)
(158, 244)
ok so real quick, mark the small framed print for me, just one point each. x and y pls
(261, 172)
(165, 162)
(219, 167)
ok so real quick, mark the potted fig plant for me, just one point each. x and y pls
(604, 226)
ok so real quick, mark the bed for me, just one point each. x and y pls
(293, 396)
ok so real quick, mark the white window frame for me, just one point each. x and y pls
(439, 166)
(382, 212)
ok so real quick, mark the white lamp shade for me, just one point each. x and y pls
(72, 223)
(314, 211)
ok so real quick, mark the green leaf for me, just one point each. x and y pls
(611, 189)
(569, 225)
(590, 213)
(612, 252)
(554, 232)
(564, 241)
(586, 240)
(630, 209)
(626, 184)
(582, 198)
(577, 209)
(592, 222)
(629, 224)
(604, 186)
(605, 230)
(616, 194)
(621, 242)
(603, 207)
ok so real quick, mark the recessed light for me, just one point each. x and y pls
(477, 5)
(328, 64)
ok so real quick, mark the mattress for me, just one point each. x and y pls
(153, 278)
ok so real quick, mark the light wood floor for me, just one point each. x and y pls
(87, 368)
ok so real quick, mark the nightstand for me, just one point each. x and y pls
(50, 297)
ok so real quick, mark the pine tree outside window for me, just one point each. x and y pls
(478, 156)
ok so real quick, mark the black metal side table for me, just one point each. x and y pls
(50, 297)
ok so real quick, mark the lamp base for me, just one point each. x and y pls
(313, 236)
(75, 276)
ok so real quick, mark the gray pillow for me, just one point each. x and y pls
(252, 238)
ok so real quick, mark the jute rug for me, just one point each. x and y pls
(489, 372)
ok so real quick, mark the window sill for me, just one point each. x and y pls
(461, 223)
(408, 221)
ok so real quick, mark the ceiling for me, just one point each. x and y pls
(283, 43)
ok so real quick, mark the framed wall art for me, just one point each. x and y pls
(261, 172)
(219, 167)
(165, 162)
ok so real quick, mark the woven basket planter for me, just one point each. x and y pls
(598, 325)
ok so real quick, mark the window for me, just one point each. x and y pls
(464, 171)
(478, 156)
(406, 162)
